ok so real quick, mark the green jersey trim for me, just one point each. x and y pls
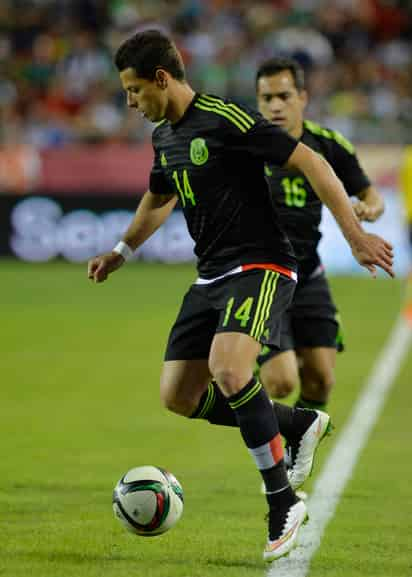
(236, 110)
(331, 134)
(242, 121)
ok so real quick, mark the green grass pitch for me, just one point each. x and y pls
(79, 406)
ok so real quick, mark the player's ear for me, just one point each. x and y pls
(303, 95)
(161, 78)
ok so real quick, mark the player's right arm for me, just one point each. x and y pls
(270, 143)
(151, 213)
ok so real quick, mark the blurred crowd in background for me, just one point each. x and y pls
(58, 84)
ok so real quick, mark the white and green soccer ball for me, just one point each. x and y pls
(148, 500)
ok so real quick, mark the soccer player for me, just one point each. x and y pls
(310, 332)
(406, 187)
(210, 153)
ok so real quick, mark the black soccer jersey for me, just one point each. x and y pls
(298, 206)
(213, 159)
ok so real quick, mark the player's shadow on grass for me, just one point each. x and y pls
(74, 557)
(229, 563)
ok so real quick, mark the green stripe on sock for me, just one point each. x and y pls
(209, 402)
(247, 396)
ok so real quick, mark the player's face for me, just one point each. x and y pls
(280, 102)
(149, 97)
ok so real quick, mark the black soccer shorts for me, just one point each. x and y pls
(311, 320)
(250, 302)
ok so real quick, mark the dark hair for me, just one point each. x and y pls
(276, 65)
(147, 51)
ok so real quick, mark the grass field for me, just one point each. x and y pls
(79, 406)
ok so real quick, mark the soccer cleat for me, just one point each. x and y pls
(283, 533)
(304, 448)
(301, 495)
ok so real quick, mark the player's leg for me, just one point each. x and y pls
(317, 337)
(302, 429)
(232, 359)
(185, 383)
(185, 376)
(315, 332)
(252, 305)
(186, 387)
(279, 372)
(182, 384)
(278, 367)
(317, 375)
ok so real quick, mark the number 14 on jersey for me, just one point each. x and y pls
(184, 189)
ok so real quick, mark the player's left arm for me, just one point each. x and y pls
(370, 205)
(269, 143)
(369, 250)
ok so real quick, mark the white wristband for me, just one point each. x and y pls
(123, 249)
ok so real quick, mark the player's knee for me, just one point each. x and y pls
(281, 389)
(320, 382)
(279, 382)
(230, 379)
(278, 388)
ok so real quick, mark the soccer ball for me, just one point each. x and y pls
(148, 500)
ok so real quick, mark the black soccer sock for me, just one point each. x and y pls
(293, 421)
(303, 403)
(284, 415)
(260, 431)
(213, 407)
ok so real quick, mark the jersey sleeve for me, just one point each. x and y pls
(261, 139)
(158, 181)
(347, 166)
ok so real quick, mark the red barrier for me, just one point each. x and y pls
(76, 170)
(101, 170)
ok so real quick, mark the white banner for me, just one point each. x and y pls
(336, 254)
(43, 228)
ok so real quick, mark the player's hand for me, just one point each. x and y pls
(365, 212)
(99, 268)
(370, 250)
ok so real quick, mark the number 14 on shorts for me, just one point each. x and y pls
(241, 314)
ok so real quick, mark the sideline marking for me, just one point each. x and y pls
(339, 466)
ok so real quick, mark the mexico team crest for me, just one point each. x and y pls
(199, 152)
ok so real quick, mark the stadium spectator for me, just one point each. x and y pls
(357, 57)
(406, 187)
